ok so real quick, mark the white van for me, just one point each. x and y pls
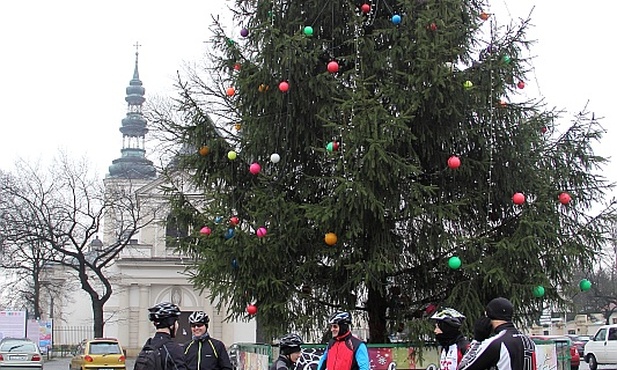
(602, 348)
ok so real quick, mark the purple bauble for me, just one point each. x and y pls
(244, 32)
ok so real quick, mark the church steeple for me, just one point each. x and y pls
(133, 163)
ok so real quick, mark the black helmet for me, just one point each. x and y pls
(162, 311)
(199, 317)
(341, 317)
(290, 343)
(450, 316)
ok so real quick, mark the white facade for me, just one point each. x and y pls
(147, 272)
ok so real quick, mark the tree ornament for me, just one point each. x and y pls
(332, 146)
(333, 66)
(232, 155)
(275, 158)
(432, 27)
(564, 198)
(330, 239)
(484, 16)
(454, 162)
(263, 88)
(585, 285)
(467, 85)
(234, 221)
(506, 59)
(520, 85)
(204, 150)
(284, 86)
(231, 91)
(261, 232)
(234, 264)
(454, 263)
(538, 291)
(205, 230)
(251, 309)
(396, 19)
(229, 233)
(543, 130)
(365, 8)
(254, 168)
(230, 42)
(237, 66)
(518, 198)
(244, 32)
(308, 31)
(238, 126)
(218, 219)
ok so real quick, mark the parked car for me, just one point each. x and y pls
(575, 357)
(579, 342)
(20, 353)
(602, 348)
(98, 354)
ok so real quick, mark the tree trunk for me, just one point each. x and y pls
(97, 310)
(376, 306)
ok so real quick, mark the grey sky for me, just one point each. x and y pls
(65, 65)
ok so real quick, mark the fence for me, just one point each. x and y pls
(71, 335)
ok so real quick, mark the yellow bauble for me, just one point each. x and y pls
(330, 239)
(232, 155)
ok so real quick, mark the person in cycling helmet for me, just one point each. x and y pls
(344, 350)
(203, 352)
(454, 344)
(289, 353)
(164, 317)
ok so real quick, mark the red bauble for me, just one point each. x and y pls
(234, 221)
(365, 8)
(432, 27)
(518, 198)
(251, 309)
(284, 86)
(237, 66)
(231, 91)
(564, 198)
(454, 162)
(335, 146)
(333, 66)
(521, 85)
(543, 130)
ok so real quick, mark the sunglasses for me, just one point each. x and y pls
(197, 325)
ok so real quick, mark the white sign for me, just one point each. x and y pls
(12, 324)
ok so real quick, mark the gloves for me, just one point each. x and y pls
(482, 329)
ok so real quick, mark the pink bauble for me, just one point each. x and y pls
(365, 8)
(518, 198)
(234, 220)
(261, 232)
(205, 230)
(251, 309)
(454, 162)
(255, 168)
(333, 67)
(564, 198)
(284, 86)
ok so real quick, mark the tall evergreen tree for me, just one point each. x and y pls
(386, 141)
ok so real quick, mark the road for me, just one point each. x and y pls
(62, 363)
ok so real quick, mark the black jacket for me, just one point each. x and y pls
(282, 363)
(206, 354)
(171, 350)
(519, 352)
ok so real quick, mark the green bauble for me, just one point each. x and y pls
(308, 31)
(454, 263)
(585, 285)
(506, 59)
(538, 291)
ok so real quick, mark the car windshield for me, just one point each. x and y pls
(104, 348)
(18, 347)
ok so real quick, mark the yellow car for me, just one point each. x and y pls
(99, 354)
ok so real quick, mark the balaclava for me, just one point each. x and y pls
(448, 335)
(343, 329)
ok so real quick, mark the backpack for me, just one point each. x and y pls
(151, 357)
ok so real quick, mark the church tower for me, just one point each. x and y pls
(133, 163)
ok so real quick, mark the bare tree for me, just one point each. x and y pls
(61, 210)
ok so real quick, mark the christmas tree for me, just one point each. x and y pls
(379, 157)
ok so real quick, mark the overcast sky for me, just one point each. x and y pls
(65, 64)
